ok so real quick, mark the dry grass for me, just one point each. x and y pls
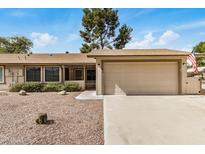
(75, 122)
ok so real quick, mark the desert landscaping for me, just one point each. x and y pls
(74, 121)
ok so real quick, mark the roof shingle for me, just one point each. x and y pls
(70, 58)
(137, 52)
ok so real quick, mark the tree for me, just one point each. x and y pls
(16, 44)
(99, 31)
(200, 48)
(4, 45)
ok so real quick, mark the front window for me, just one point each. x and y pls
(91, 75)
(52, 74)
(78, 74)
(33, 74)
(1, 74)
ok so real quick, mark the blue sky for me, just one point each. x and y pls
(57, 30)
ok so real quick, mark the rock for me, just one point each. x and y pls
(42, 118)
(62, 92)
(3, 93)
(22, 92)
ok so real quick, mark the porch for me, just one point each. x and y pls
(84, 75)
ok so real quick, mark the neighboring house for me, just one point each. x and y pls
(18, 68)
(137, 71)
(143, 71)
(201, 71)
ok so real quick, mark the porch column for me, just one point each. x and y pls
(70, 72)
(84, 75)
(63, 74)
(99, 78)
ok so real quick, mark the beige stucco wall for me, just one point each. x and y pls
(193, 85)
(182, 68)
(12, 74)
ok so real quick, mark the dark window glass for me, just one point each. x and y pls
(1, 74)
(79, 74)
(33, 74)
(51, 74)
(67, 73)
(91, 75)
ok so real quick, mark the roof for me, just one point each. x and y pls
(61, 58)
(137, 52)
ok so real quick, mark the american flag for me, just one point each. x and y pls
(192, 59)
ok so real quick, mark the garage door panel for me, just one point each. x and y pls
(141, 77)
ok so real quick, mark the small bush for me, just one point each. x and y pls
(53, 87)
(28, 87)
(33, 87)
(16, 87)
(45, 87)
(69, 87)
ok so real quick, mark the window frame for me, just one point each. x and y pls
(59, 73)
(40, 74)
(2, 74)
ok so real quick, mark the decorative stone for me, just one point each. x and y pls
(22, 92)
(62, 92)
(42, 118)
(3, 93)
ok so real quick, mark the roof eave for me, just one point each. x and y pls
(93, 56)
(89, 63)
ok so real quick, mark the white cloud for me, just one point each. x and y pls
(73, 37)
(43, 39)
(201, 33)
(126, 15)
(167, 37)
(188, 47)
(141, 12)
(149, 41)
(145, 43)
(191, 25)
(19, 13)
(180, 27)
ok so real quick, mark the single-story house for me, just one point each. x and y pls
(128, 71)
(18, 68)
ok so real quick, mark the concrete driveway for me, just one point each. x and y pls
(154, 119)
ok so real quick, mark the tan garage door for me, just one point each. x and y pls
(140, 77)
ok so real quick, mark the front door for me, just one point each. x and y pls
(67, 74)
(90, 78)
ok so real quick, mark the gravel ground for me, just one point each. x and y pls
(75, 122)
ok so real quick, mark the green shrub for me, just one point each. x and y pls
(45, 87)
(28, 87)
(16, 87)
(69, 87)
(33, 87)
(53, 87)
